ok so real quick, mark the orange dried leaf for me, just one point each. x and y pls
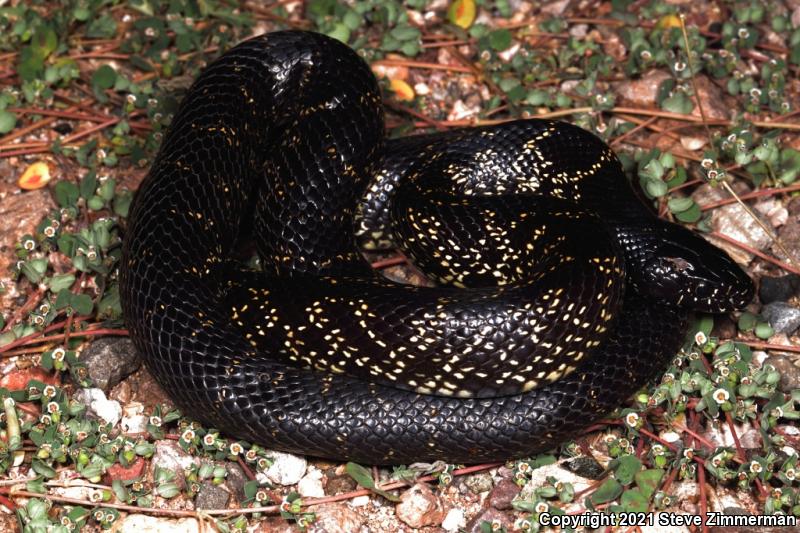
(462, 13)
(668, 21)
(402, 90)
(35, 176)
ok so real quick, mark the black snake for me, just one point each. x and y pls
(558, 294)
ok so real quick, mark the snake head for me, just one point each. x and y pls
(686, 270)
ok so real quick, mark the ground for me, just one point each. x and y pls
(699, 99)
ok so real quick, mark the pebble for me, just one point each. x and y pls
(337, 518)
(286, 469)
(454, 520)
(642, 91)
(783, 318)
(20, 213)
(733, 221)
(109, 411)
(110, 360)
(480, 482)
(779, 289)
(503, 494)
(789, 235)
(540, 475)
(134, 420)
(419, 507)
(360, 501)
(235, 479)
(170, 456)
(311, 484)
(790, 373)
(211, 496)
(720, 434)
(774, 210)
(586, 467)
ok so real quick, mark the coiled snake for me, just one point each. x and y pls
(558, 294)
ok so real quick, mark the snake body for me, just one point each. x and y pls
(558, 294)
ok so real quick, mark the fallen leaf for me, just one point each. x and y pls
(35, 176)
(462, 13)
(402, 90)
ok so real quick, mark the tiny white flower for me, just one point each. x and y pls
(700, 338)
(721, 396)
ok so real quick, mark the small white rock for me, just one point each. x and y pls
(134, 419)
(693, 143)
(454, 520)
(422, 89)
(287, 469)
(359, 501)
(670, 436)
(109, 411)
(508, 54)
(311, 484)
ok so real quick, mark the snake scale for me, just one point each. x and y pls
(557, 294)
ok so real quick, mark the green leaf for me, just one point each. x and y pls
(633, 501)
(63, 298)
(102, 27)
(104, 78)
(81, 14)
(8, 121)
(609, 490)
(67, 193)
(352, 20)
(340, 32)
(88, 184)
(44, 41)
(122, 203)
(747, 322)
(500, 39)
(764, 330)
(168, 490)
(678, 205)
(649, 480)
(31, 64)
(362, 476)
(627, 467)
(655, 188)
(42, 468)
(59, 282)
(66, 244)
(82, 303)
(678, 103)
(691, 215)
(653, 169)
(405, 33)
